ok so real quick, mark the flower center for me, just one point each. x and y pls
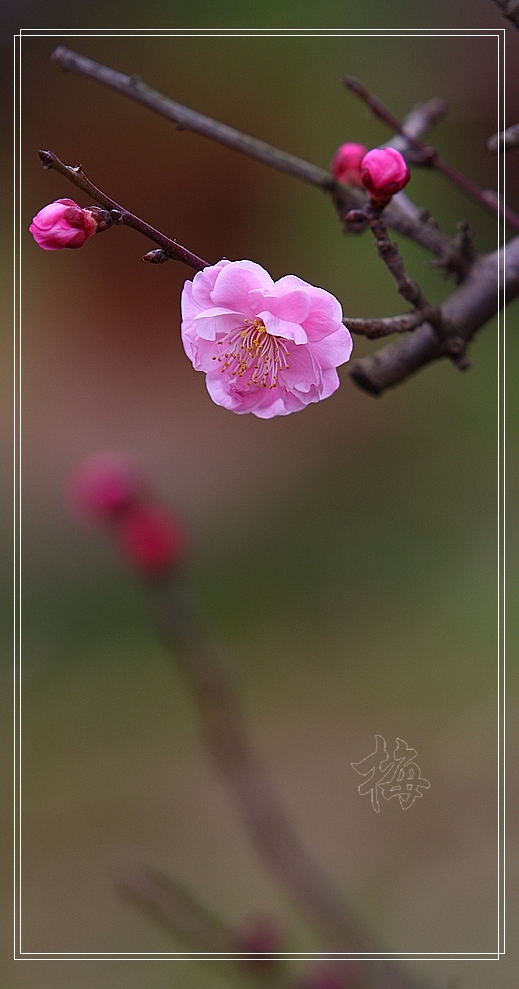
(252, 352)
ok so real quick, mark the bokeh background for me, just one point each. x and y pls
(346, 557)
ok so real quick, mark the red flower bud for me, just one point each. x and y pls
(345, 165)
(62, 224)
(384, 172)
(103, 487)
(152, 539)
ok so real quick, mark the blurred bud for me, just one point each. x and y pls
(383, 173)
(152, 539)
(62, 224)
(104, 486)
(345, 165)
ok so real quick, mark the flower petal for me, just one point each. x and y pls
(292, 306)
(333, 350)
(216, 321)
(282, 328)
(235, 281)
(203, 283)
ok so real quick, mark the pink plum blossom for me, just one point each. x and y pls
(266, 347)
(346, 162)
(62, 224)
(384, 172)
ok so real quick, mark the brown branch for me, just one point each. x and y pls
(429, 155)
(402, 215)
(191, 120)
(510, 10)
(373, 329)
(390, 255)
(120, 215)
(469, 307)
(505, 140)
(265, 819)
(420, 119)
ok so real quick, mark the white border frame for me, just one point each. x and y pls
(19, 232)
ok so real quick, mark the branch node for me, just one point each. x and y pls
(158, 256)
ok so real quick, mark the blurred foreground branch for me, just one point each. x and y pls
(263, 814)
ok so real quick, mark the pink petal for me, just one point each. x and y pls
(333, 350)
(331, 382)
(303, 371)
(325, 314)
(232, 395)
(211, 322)
(291, 306)
(199, 351)
(282, 328)
(203, 283)
(235, 281)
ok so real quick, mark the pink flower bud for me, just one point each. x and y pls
(384, 172)
(152, 539)
(345, 166)
(103, 487)
(62, 224)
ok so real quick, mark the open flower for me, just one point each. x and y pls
(267, 347)
(62, 224)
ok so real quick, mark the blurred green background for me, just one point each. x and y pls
(345, 557)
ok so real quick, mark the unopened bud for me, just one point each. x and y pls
(383, 173)
(103, 487)
(346, 162)
(62, 224)
(152, 539)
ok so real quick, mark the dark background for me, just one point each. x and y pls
(346, 556)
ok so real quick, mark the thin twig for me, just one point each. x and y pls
(420, 119)
(505, 140)
(262, 812)
(430, 155)
(468, 308)
(77, 176)
(402, 215)
(392, 258)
